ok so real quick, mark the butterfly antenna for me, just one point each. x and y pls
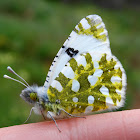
(8, 77)
(12, 71)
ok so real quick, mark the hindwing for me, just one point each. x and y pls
(89, 82)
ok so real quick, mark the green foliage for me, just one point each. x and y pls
(31, 33)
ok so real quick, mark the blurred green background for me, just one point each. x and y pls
(32, 32)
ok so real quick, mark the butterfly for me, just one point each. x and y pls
(84, 77)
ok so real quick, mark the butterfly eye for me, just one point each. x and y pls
(33, 96)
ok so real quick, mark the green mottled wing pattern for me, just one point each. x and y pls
(89, 82)
(89, 34)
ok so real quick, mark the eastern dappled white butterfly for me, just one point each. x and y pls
(84, 77)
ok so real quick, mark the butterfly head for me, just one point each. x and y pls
(31, 94)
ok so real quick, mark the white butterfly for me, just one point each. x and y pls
(84, 77)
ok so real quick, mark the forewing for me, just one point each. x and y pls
(90, 34)
(89, 82)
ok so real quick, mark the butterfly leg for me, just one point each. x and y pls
(29, 114)
(40, 106)
(54, 121)
(42, 114)
(71, 114)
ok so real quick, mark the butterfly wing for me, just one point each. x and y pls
(89, 35)
(89, 82)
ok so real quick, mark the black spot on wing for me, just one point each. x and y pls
(71, 52)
